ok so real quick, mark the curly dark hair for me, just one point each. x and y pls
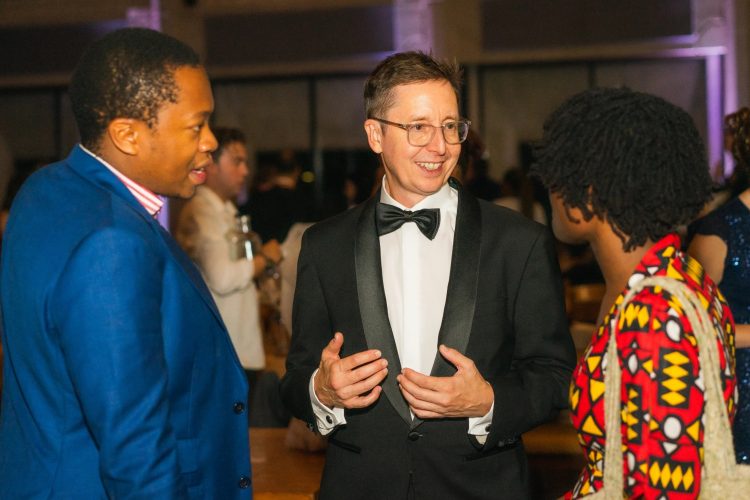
(401, 69)
(128, 73)
(632, 159)
(738, 124)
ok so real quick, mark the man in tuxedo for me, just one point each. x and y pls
(429, 328)
(120, 378)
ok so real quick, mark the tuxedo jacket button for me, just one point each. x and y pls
(413, 435)
(244, 482)
(238, 407)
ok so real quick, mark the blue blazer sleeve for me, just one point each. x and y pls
(106, 312)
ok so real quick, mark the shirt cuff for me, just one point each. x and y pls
(479, 427)
(326, 418)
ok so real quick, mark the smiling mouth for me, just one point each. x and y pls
(430, 165)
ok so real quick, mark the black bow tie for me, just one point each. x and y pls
(390, 218)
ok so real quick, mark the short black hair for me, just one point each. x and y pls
(404, 68)
(226, 136)
(629, 158)
(128, 73)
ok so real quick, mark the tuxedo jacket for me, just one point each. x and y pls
(120, 380)
(504, 310)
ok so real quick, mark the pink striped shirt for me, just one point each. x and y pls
(150, 200)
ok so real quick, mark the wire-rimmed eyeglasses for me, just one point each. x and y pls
(420, 134)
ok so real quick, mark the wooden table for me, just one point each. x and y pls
(553, 438)
(280, 473)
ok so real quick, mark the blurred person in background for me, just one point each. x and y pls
(474, 169)
(281, 203)
(517, 193)
(206, 225)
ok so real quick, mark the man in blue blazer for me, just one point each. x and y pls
(120, 378)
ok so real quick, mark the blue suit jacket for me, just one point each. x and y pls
(120, 379)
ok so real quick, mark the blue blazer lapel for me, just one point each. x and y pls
(94, 171)
(461, 298)
(190, 270)
(372, 304)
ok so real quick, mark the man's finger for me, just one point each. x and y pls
(362, 386)
(332, 349)
(358, 359)
(416, 403)
(366, 370)
(423, 414)
(455, 358)
(418, 392)
(423, 381)
(364, 401)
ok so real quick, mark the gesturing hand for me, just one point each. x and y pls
(272, 251)
(350, 382)
(464, 394)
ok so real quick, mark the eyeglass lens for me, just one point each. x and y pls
(422, 134)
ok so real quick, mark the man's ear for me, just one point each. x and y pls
(124, 134)
(374, 133)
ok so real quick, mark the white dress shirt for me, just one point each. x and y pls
(202, 232)
(415, 278)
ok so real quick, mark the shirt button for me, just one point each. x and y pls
(329, 419)
(244, 482)
(488, 428)
(238, 407)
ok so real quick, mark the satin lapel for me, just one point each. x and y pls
(372, 304)
(462, 284)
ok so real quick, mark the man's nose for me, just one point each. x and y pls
(437, 143)
(208, 142)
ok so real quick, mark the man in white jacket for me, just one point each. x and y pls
(204, 229)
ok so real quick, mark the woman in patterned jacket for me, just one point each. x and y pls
(624, 170)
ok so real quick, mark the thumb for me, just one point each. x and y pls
(334, 346)
(454, 357)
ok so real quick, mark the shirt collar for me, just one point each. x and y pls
(147, 198)
(445, 198)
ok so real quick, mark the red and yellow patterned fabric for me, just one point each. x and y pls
(662, 388)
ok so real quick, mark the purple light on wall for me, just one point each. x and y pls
(101, 28)
(412, 20)
(714, 114)
(719, 92)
